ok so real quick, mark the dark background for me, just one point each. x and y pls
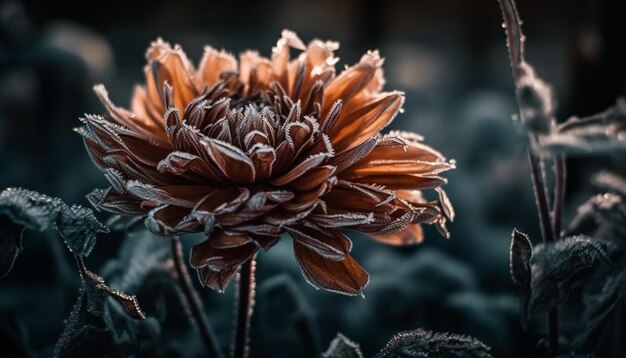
(450, 58)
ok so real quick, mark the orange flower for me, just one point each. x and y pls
(247, 150)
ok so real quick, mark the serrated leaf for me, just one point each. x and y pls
(520, 254)
(555, 265)
(28, 209)
(423, 343)
(92, 328)
(342, 347)
(10, 244)
(130, 304)
(78, 227)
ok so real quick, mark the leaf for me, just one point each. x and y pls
(28, 209)
(520, 256)
(129, 303)
(293, 330)
(143, 267)
(92, 328)
(10, 243)
(605, 314)
(555, 267)
(422, 343)
(602, 133)
(342, 347)
(78, 227)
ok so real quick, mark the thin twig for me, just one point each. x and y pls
(201, 323)
(559, 193)
(245, 302)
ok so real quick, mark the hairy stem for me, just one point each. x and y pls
(540, 197)
(559, 193)
(549, 228)
(245, 302)
(201, 323)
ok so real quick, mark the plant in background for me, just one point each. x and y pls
(566, 260)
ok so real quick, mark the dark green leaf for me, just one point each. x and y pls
(556, 266)
(10, 243)
(342, 347)
(422, 343)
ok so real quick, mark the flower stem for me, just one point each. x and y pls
(201, 323)
(540, 197)
(547, 232)
(245, 302)
(559, 193)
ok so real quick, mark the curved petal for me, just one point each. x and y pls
(331, 244)
(216, 280)
(167, 64)
(412, 235)
(212, 65)
(343, 276)
(205, 255)
(353, 128)
(230, 160)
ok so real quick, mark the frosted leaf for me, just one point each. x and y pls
(520, 255)
(557, 265)
(423, 343)
(342, 347)
(23, 208)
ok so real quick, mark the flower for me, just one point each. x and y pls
(248, 150)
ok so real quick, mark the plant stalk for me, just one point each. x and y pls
(191, 298)
(245, 302)
(559, 194)
(540, 197)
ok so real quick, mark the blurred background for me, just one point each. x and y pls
(449, 57)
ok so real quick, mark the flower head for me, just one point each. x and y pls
(247, 150)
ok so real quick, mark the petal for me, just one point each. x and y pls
(205, 255)
(412, 235)
(165, 220)
(112, 201)
(344, 276)
(353, 128)
(331, 244)
(147, 112)
(221, 201)
(280, 56)
(354, 79)
(341, 220)
(407, 182)
(299, 170)
(313, 178)
(171, 66)
(212, 65)
(222, 240)
(230, 160)
(142, 124)
(216, 280)
(255, 70)
(346, 159)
